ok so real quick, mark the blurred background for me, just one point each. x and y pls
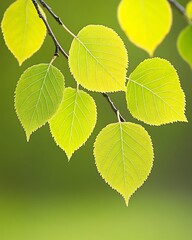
(43, 197)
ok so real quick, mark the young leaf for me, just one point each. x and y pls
(189, 10)
(154, 94)
(38, 95)
(23, 30)
(124, 157)
(184, 44)
(74, 121)
(146, 22)
(98, 59)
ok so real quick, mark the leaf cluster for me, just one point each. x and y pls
(98, 61)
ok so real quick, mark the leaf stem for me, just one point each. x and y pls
(59, 48)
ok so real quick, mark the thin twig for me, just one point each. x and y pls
(45, 5)
(50, 32)
(115, 110)
(59, 48)
(178, 6)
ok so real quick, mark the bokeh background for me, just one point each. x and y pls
(43, 197)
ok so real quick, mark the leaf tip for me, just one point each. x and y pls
(28, 135)
(20, 62)
(126, 201)
(69, 155)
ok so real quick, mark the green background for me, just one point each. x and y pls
(42, 196)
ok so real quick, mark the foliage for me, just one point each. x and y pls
(152, 22)
(98, 60)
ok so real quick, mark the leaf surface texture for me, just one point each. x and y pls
(23, 30)
(124, 157)
(38, 95)
(98, 59)
(154, 94)
(75, 120)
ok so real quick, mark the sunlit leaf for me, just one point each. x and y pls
(98, 59)
(189, 9)
(124, 157)
(154, 94)
(74, 121)
(38, 95)
(145, 22)
(184, 44)
(23, 30)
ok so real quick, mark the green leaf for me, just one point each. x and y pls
(38, 95)
(184, 44)
(124, 157)
(75, 120)
(23, 30)
(189, 9)
(146, 22)
(154, 94)
(98, 59)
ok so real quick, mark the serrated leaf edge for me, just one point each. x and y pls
(28, 134)
(19, 61)
(165, 123)
(126, 200)
(70, 155)
(127, 63)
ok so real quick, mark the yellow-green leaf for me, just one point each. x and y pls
(189, 9)
(184, 44)
(38, 95)
(145, 22)
(75, 120)
(154, 94)
(124, 157)
(23, 30)
(98, 59)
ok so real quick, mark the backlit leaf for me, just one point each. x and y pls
(184, 44)
(98, 59)
(154, 94)
(74, 121)
(124, 157)
(23, 30)
(38, 95)
(189, 10)
(145, 22)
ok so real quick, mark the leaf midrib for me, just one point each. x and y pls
(149, 90)
(40, 92)
(90, 53)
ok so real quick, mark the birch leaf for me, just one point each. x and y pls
(75, 120)
(184, 44)
(146, 22)
(124, 157)
(38, 95)
(23, 30)
(154, 94)
(98, 59)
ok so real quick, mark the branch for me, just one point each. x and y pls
(115, 110)
(178, 6)
(50, 32)
(45, 5)
(59, 48)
